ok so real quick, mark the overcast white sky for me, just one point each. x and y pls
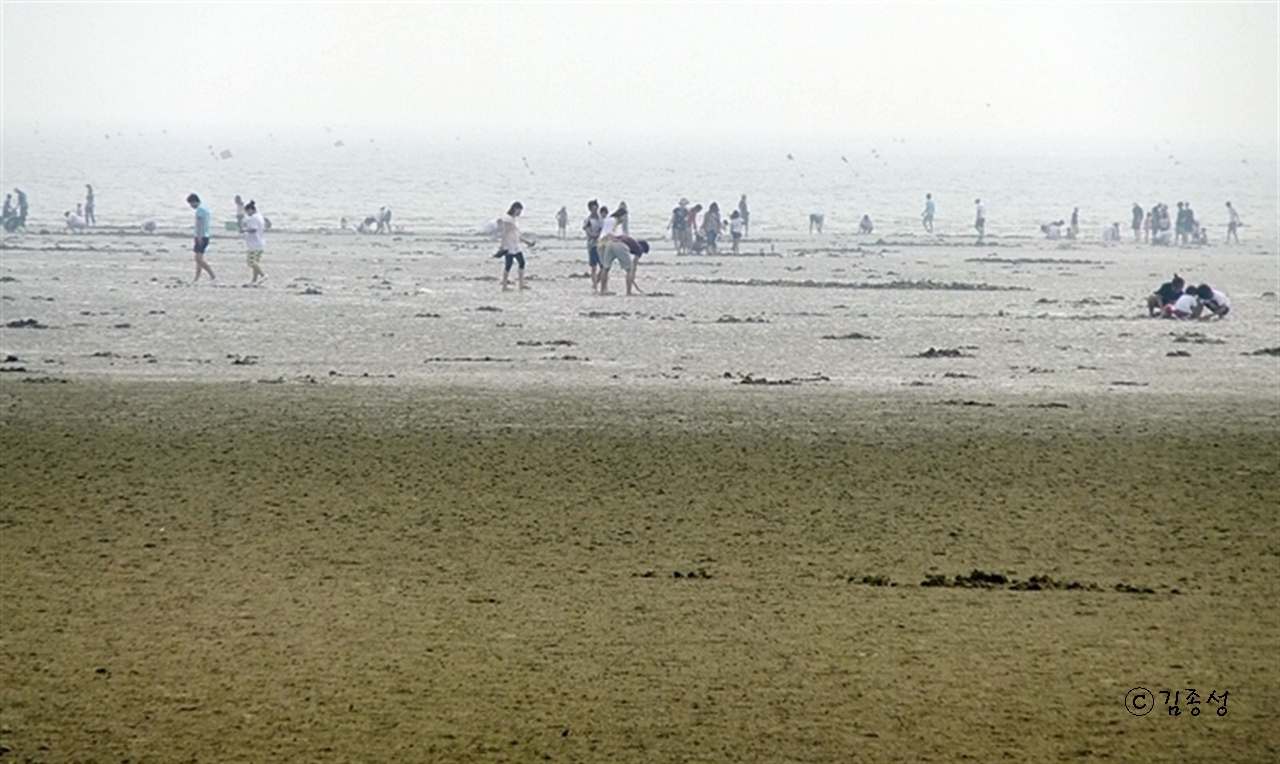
(1200, 72)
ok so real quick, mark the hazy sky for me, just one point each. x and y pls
(1045, 70)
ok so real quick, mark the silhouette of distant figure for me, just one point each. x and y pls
(384, 220)
(1136, 223)
(1233, 224)
(926, 217)
(865, 225)
(815, 222)
(89, 217)
(980, 218)
(737, 226)
(745, 214)
(10, 218)
(562, 222)
(592, 227)
(711, 225)
(624, 217)
(22, 208)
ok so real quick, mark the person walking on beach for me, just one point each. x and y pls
(980, 219)
(562, 222)
(509, 246)
(1233, 224)
(255, 240)
(745, 214)
(1074, 229)
(591, 226)
(1136, 223)
(926, 217)
(89, 217)
(240, 213)
(202, 230)
(9, 214)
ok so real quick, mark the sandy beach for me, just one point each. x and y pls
(247, 572)
(379, 510)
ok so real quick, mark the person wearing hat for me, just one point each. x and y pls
(255, 240)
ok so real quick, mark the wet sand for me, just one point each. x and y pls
(371, 572)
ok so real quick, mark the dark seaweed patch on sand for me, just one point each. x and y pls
(849, 336)
(942, 353)
(924, 285)
(1034, 261)
(751, 379)
(26, 323)
(979, 579)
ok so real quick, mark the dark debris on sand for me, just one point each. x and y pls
(752, 379)
(923, 284)
(978, 579)
(26, 323)
(943, 353)
(849, 336)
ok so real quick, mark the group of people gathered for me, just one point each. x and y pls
(1179, 300)
(15, 215)
(692, 237)
(1157, 227)
(609, 243)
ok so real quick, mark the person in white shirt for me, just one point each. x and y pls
(737, 228)
(980, 220)
(1184, 307)
(74, 222)
(1212, 300)
(255, 240)
(1233, 224)
(509, 246)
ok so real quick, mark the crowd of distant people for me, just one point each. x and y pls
(692, 237)
(694, 230)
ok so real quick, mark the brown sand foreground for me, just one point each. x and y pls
(253, 573)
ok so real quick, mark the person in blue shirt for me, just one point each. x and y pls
(202, 236)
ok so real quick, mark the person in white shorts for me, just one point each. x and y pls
(255, 240)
